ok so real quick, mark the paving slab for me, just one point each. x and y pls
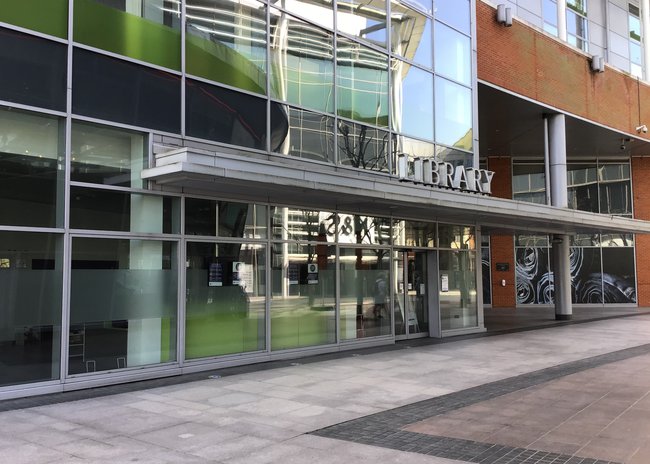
(543, 392)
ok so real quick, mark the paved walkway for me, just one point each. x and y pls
(563, 395)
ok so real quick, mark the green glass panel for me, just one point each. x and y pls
(220, 63)
(49, 17)
(126, 34)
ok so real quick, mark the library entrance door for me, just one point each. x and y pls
(415, 290)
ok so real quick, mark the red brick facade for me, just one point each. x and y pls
(502, 246)
(641, 195)
(538, 66)
(533, 64)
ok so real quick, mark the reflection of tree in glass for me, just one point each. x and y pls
(362, 146)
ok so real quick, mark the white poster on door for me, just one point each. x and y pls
(444, 283)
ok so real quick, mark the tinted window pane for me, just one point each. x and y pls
(457, 237)
(367, 230)
(582, 183)
(615, 189)
(585, 275)
(617, 240)
(458, 307)
(231, 117)
(619, 283)
(529, 183)
(485, 270)
(366, 20)
(302, 70)
(362, 83)
(226, 288)
(51, 17)
(310, 135)
(31, 169)
(455, 157)
(412, 95)
(147, 30)
(413, 148)
(303, 296)
(453, 56)
(112, 89)
(362, 273)
(362, 146)
(224, 219)
(411, 34)
(102, 155)
(123, 304)
(414, 233)
(531, 240)
(30, 306)
(453, 12)
(226, 42)
(33, 70)
(317, 11)
(305, 225)
(453, 114)
(534, 280)
(121, 211)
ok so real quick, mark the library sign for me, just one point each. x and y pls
(445, 175)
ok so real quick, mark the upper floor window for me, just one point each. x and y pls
(634, 26)
(549, 12)
(576, 21)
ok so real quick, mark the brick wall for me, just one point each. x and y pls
(641, 198)
(536, 65)
(502, 246)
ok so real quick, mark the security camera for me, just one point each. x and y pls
(622, 146)
(643, 128)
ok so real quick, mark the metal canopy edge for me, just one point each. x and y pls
(291, 181)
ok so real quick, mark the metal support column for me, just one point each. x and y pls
(556, 143)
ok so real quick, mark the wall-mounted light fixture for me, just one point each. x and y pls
(597, 64)
(504, 15)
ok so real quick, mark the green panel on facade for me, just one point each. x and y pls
(126, 34)
(219, 63)
(49, 17)
(219, 334)
(308, 329)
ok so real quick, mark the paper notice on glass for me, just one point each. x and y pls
(444, 283)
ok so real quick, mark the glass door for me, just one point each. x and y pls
(411, 290)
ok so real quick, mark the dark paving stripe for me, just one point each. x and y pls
(384, 428)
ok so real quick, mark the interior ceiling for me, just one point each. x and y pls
(513, 126)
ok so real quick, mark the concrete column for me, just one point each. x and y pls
(561, 19)
(561, 277)
(557, 159)
(556, 149)
(645, 37)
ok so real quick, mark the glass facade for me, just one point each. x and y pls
(123, 304)
(102, 272)
(32, 169)
(31, 286)
(602, 269)
(602, 266)
(287, 79)
(225, 299)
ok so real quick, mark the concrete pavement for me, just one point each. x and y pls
(289, 414)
